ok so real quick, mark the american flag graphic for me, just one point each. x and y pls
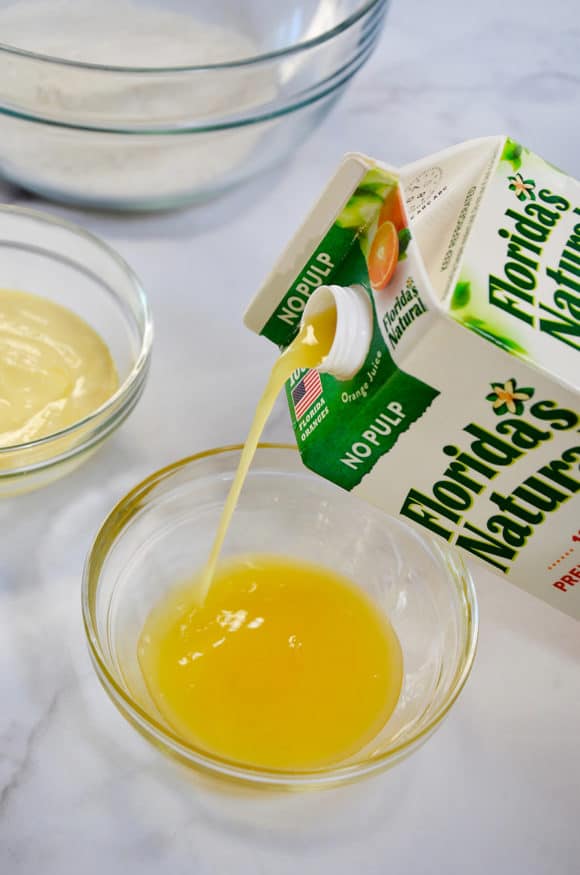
(306, 392)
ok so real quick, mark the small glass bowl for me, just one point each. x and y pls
(161, 532)
(45, 256)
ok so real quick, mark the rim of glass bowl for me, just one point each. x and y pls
(111, 413)
(373, 10)
(170, 742)
(326, 36)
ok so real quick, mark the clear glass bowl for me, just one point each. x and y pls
(148, 137)
(161, 532)
(48, 257)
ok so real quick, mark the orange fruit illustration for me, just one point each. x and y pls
(393, 209)
(383, 255)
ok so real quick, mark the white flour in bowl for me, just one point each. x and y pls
(119, 33)
(112, 167)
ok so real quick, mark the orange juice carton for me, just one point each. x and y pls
(462, 415)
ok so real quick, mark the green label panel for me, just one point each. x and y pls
(348, 442)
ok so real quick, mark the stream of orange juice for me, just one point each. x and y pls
(266, 660)
(307, 350)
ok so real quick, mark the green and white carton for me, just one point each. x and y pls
(464, 417)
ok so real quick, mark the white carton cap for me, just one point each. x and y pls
(354, 327)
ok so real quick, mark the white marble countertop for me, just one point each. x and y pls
(497, 789)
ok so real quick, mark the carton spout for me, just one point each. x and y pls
(354, 328)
